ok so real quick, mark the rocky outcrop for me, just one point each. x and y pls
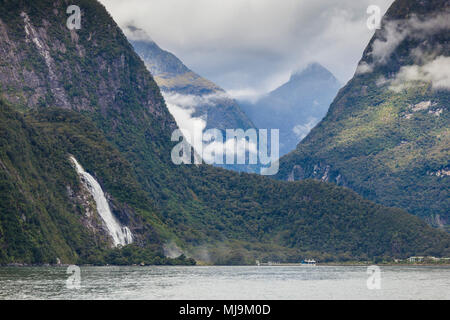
(43, 63)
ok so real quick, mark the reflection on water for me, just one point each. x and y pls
(164, 282)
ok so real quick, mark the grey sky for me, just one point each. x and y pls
(251, 46)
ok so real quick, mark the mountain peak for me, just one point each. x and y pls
(297, 105)
(313, 69)
(137, 34)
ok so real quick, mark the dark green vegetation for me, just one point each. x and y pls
(135, 255)
(35, 214)
(43, 206)
(391, 146)
(119, 129)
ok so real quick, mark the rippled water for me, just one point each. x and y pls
(322, 282)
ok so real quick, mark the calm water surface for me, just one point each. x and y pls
(322, 282)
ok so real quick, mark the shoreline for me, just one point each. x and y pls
(331, 264)
(386, 265)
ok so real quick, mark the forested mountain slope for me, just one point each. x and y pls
(87, 93)
(386, 134)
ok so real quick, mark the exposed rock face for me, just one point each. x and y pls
(297, 173)
(43, 63)
(40, 40)
(90, 219)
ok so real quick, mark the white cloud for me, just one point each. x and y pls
(396, 31)
(364, 67)
(191, 100)
(228, 146)
(381, 81)
(254, 44)
(248, 94)
(182, 107)
(191, 127)
(382, 49)
(301, 130)
(436, 72)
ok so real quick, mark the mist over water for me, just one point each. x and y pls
(191, 283)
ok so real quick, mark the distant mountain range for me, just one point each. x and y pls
(208, 100)
(196, 103)
(295, 107)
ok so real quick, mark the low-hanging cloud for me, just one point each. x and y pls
(396, 31)
(193, 100)
(436, 72)
(364, 67)
(249, 46)
(301, 130)
(182, 108)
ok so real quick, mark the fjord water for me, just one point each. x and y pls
(120, 234)
(163, 282)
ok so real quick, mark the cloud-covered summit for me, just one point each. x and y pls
(251, 47)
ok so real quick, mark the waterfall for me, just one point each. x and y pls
(120, 234)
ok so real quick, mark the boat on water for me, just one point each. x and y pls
(309, 262)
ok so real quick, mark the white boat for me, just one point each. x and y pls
(309, 262)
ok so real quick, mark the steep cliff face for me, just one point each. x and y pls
(189, 97)
(46, 212)
(110, 115)
(28, 232)
(386, 134)
(44, 63)
(93, 71)
(211, 102)
(45, 215)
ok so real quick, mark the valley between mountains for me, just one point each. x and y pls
(86, 94)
